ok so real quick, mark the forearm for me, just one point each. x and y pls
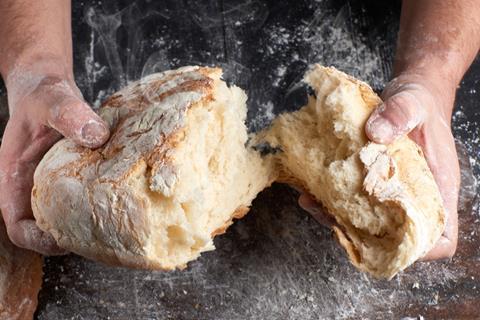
(438, 36)
(35, 34)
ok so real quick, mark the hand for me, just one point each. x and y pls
(43, 107)
(421, 107)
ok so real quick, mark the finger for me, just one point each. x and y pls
(397, 116)
(308, 203)
(26, 234)
(23, 144)
(442, 159)
(63, 108)
(444, 248)
(74, 119)
(18, 159)
(16, 210)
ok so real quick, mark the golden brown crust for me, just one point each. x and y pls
(148, 198)
(20, 279)
(347, 244)
(146, 120)
(144, 95)
(238, 214)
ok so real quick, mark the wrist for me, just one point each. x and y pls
(446, 68)
(31, 65)
(426, 81)
(28, 74)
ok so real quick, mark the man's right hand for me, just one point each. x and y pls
(43, 108)
(421, 106)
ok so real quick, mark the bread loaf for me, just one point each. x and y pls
(387, 207)
(177, 169)
(174, 173)
(20, 279)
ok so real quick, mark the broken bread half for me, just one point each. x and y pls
(386, 204)
(173, 174)
(178, 168)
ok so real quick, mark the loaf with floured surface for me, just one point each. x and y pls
(173, 174)
(387, 207)
(177, 169)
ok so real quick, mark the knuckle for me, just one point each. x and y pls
(54, 86)
(403, 101)
(60, 111)
(69, 115)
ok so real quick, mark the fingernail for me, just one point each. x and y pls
(94, 133)
(381, 130)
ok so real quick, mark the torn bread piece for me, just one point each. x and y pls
(384, 199)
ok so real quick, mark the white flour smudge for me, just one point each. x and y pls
(264, 116)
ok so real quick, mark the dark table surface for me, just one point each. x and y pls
(277, 263)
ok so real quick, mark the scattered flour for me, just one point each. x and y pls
(264, 116)
(285, 266)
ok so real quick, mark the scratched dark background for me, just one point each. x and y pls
(277, 263)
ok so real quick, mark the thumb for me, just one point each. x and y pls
(397, 116)
(74, 119)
